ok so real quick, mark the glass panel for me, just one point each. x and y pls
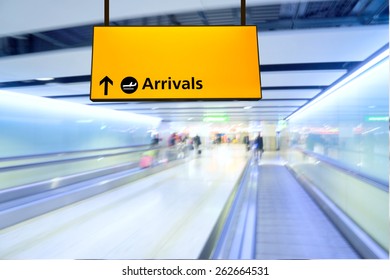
(350, 126)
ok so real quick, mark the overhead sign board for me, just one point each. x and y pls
(175, 63)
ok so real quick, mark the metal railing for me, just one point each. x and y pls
(234, 234)
(381, 184)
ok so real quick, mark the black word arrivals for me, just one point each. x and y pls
(130, 84)
(172, 84)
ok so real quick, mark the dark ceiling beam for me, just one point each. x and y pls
(375, 8)
(359, 7)
(50, 40)
(173, 20)
(203, 17)
(301, 10)
(319, 87)
(311, 23)
(348, 65)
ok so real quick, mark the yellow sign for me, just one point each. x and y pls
(175, 63)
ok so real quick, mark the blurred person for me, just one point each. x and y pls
(196, 142)
(258, 146)
(181, 146)
(154, 145)
(171, 153)
(247, 142)
(155, 140)
(172, 140)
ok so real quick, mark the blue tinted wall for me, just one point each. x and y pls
(32, 125)
(341, 146)
(351, 126)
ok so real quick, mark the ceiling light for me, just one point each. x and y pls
(84, 121)
(376, 118)
(214, 114)
(247, 107)
(44, 79)
(216, 119)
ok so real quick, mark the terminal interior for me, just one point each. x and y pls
(123, 179)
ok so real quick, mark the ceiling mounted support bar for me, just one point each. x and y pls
(106, 12)
(243, 12)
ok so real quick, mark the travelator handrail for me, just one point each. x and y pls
(381, 184)
(234, 234)
(137, 148)
(23, 157)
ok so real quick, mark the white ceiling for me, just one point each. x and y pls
(285, 91)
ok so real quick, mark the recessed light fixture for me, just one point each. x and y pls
(247, 107)
(84, 121)
(45, 79)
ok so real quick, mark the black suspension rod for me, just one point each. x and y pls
(243, 12)
(106, 12)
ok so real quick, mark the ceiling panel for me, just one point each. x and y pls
(55, 89)
(60, 63)
(300, 78)
(290, 94)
